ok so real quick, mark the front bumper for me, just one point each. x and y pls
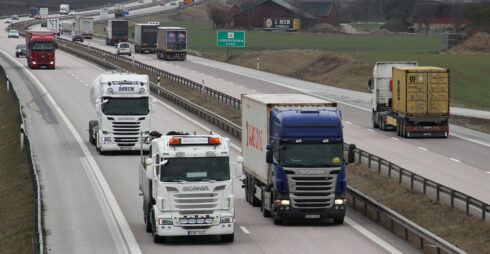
(174, 230)
(111, 146)
(291, 213)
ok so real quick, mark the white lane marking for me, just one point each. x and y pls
(253, 90)
(456, 160)
(471, 140)
(244, 230)
(423, 148)
(394, 138)
(122, 223)
(370, 130)
(488, 172)
(372, 236)
(348, 122)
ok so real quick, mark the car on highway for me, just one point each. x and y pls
(123, 48)
(13, 33)
(162, 3)
(72, 13)
(20, 50)
(8, 21)
(15, 17)
(77, 37)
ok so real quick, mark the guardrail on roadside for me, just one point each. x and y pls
(413, 178)
(38, 221)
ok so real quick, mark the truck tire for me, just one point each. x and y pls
(156, 238)
(228, 238)
(146, 217)
(91, 127)
(373, 115)
(338, 220)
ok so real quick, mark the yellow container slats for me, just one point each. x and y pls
(421, 90)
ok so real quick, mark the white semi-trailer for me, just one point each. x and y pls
(121, 101)
(187, 187)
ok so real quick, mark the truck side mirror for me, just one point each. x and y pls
(351, 153)
(268, 157)
(370, 85)
(237, 171)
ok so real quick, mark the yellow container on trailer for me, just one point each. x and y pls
(420, 91)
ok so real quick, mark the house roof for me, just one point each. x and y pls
(319, 8)
(285, 5)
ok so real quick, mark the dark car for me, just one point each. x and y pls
(20, 50)
(77, 37)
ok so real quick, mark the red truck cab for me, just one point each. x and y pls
(41, 48)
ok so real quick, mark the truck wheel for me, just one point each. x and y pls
(146, 215)
(373, 115)
(156, 238)
(264, 211)
(404, 129)
(91, 126)
(338, 220)
(228, 238)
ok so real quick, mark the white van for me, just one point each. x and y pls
(123, 48)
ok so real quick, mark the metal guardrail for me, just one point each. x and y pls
(414, 179)
(424, 236)
(38, 221)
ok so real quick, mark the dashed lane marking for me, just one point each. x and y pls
(244, 230)
(394, 138)
(456, 160)
(423, 148)
(370, 130)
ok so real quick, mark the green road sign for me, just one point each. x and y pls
(231, 39)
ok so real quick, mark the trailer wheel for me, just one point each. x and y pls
(156, 238)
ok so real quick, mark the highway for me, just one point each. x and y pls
(92, 202)
(460, 161)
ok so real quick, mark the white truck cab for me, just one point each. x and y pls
(188, 187)
(121, 101)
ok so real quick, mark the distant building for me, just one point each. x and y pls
(309, 11)
(324, 11)
(436, 17)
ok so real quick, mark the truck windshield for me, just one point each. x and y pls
(311, 155)
(43, 45)
(126, 106)
(196, 169)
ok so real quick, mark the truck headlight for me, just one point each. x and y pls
(184, 221)
(200, 221)
(283, 202)
(340, 201)
(192, 221)
(34, 62)
(165, 222)
(209, 220)
(226, 220)
(52, 62)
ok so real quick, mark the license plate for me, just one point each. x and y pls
(125, 148)
(312, 216)
(195, 232)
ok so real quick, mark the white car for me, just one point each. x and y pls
(123, 48)
(72, 13)
(8, 21)
(13, 33)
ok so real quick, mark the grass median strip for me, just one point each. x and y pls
(17, 209)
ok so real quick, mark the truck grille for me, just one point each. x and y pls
(312, 192)
(192, 201)
(126, 133)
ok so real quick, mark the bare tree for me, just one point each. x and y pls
(220, 16)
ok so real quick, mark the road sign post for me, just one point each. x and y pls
(230, 39)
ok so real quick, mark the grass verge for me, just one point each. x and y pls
(469, 233)
(17, 212)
